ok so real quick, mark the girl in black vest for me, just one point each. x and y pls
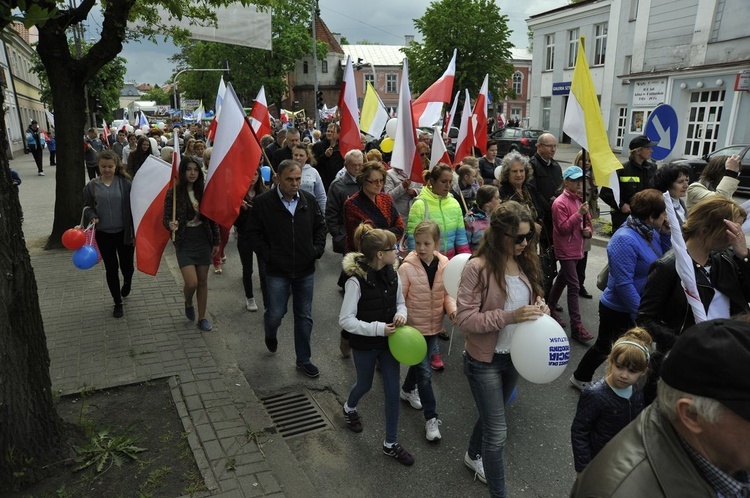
(372, 309)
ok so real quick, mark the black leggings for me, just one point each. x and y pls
(246, 258)
(113, 248)
(612, 324)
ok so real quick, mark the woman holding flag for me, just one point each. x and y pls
(196, 237)
(718, 253)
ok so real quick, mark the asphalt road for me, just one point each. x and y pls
(341, 463)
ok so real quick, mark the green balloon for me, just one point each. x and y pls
(407, 345)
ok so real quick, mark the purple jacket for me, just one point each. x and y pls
(567, 225)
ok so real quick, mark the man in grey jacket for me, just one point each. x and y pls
(693, 441)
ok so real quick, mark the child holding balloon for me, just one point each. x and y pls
(427, 301)
(373, 308)
(106, 201)
(609, 405)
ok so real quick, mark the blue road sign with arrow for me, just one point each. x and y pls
(662, 127)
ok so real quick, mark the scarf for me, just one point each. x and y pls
(641, 228)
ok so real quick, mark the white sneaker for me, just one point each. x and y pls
(250, 304)
(40, 174)
(432, 430)
(578, 384)
(476, 466)
(413, 398)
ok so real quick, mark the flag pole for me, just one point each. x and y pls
(174, 205)
(585, 181)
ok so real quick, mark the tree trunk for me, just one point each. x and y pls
(30, 430)
(67, 87)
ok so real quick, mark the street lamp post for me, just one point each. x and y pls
(174, 80)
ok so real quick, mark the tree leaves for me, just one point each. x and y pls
(480, 33)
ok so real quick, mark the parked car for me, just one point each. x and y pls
(522, 140)
(743, 150)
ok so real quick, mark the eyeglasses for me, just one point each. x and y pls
(375, 182)
(518, 239)
(424, 154)
(546, 145)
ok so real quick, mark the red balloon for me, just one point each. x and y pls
(74, 238)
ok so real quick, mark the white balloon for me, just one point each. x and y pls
(497, 171)
(540, 350)
(390, 127)
(452, 273)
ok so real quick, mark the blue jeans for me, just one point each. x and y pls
(420, 376)
(301, 289)
(491, 385)
(364, 363)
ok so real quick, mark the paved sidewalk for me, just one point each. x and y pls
(91, 349)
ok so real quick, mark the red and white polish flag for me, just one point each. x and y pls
(465, 144)
(479, 117)
(405, 155)
(234, 160)
(439, 153)
(259, 117)
(429, 106)
(147, 196)
(349, 134)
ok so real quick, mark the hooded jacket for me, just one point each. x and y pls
(427, 305)
(567, 224)
(446, 212)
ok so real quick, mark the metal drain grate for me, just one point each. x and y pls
(295, 413)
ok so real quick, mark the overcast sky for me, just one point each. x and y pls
(355, 20)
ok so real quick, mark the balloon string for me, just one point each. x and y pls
(450, 343)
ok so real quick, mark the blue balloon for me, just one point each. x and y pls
(85, 257)
(265, 172)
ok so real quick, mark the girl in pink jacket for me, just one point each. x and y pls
(427, 301)
(571, 224)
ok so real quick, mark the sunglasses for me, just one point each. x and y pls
(375, 182)
(518, 239)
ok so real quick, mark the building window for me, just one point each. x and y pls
(572, 47)
(633, 10)
(546, 106)
(304, 67)
(369, 78)
(549, 52)
(600, 43)
(518, 83)
(391, 83)
(622, 127)
(324, 66)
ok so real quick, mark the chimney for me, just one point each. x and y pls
(408, 39)
(337, 37)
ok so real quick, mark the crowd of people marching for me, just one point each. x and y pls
(527, 224)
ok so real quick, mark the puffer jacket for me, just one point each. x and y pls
(601, 414)
(426, 305)
(567, 225)
(477, 222)
(664, 310)
(446, 212)
(645, 459)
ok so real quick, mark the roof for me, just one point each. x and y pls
(521, 54)
(378, 55)
(322, 33)
(564, 7)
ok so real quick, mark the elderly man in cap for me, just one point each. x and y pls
(637, 174)
(695, 440)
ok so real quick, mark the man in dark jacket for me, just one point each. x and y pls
(34, 143)
(288, 232)
(693, 442)
(637, 174)
(547, 180)
(292, 139)
(327, 155)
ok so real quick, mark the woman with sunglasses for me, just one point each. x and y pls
(501, 286)
(571, 224)
(371, 205)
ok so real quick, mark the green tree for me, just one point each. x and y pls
(104, 86)
(31, 432)
(480, 33)
(250, 68)
(157, 94)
